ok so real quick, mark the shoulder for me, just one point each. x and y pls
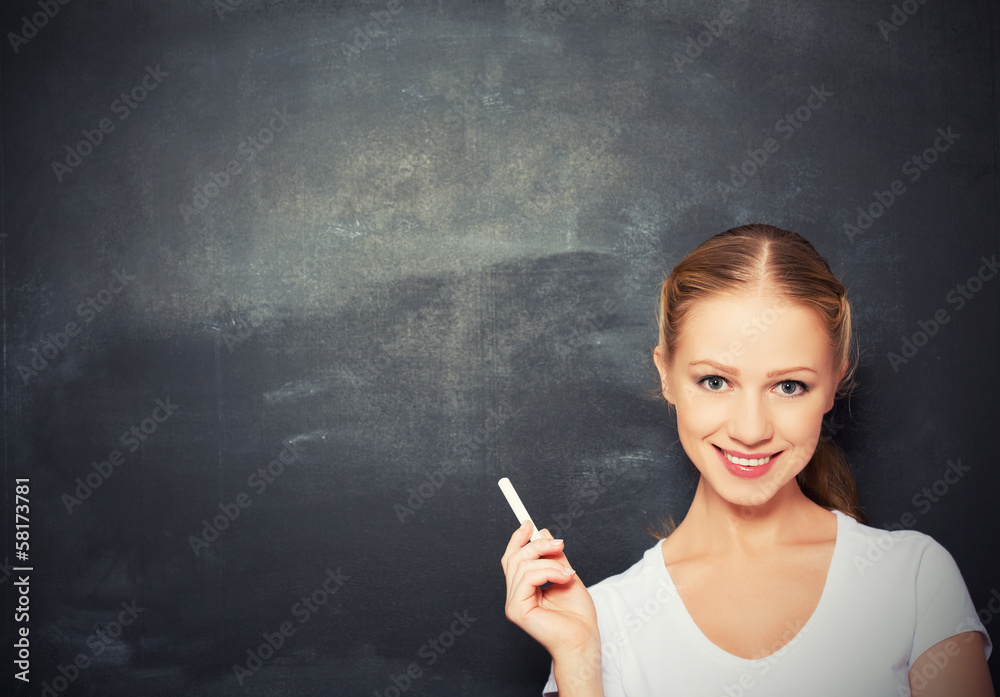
(912, 573)
(891, 551)
(645, 580)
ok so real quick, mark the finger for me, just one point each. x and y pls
(557, 552)
(520, 548)
(517, 540)
(533, 566)
(523, 596)
(533, 551)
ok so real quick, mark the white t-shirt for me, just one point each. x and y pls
(888, 597)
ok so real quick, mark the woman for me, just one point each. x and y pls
(771, 584)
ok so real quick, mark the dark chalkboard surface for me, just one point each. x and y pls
(289, 284)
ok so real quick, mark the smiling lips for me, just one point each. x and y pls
(747, 465)
(747, 461)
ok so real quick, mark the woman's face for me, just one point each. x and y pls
(751, 378)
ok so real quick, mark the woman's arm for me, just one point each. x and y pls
(561, 617)
(579, 675)
(955, 667)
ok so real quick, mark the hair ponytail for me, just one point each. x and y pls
(828, 481)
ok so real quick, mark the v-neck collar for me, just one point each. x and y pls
(827, 598)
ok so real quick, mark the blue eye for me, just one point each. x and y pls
(713, 383)
(792, 388)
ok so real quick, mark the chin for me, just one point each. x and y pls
(752, 487)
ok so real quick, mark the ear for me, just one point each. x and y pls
(661, 366)
(833, 393)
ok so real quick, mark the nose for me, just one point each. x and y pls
(750, 421)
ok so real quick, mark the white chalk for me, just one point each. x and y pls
(515, 503)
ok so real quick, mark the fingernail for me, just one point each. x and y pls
(568, 571)
(555, 543)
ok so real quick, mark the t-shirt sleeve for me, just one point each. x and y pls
(610, 678)
(944, 606)
(550, 687)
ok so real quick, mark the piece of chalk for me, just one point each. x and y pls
(515, 503)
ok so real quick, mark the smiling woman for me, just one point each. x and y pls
(773, 558)
(718, 292)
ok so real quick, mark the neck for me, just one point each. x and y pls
(716, 526)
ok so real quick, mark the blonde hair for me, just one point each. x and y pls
(756, 257)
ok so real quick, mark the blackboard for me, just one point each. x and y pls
(288, 285)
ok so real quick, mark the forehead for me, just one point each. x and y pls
(757, 330)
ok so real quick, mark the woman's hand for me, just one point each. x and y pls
(562, 617)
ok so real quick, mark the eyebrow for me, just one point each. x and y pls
(736, 373)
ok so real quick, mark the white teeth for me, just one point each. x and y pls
(745, 462)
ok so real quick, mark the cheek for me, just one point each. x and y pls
(800, 424)
(684, 392)
(700, 414)
(800, 427)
